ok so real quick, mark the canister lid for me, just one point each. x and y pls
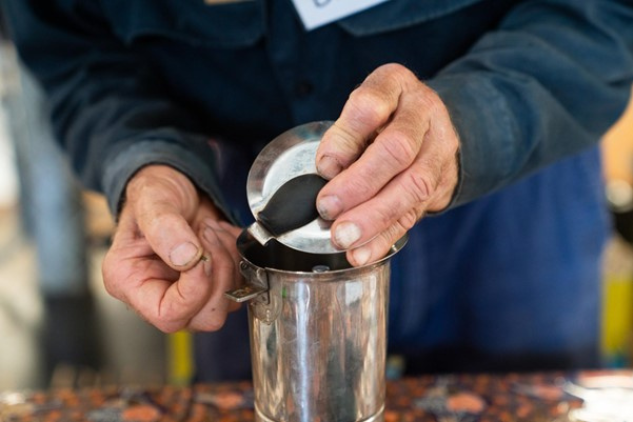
(281, 189)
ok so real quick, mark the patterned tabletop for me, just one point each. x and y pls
(547, 397)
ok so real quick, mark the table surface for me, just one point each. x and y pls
(452, 398)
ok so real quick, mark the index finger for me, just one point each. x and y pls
(368, 108)
(171, 305)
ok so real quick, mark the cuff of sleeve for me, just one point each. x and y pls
(120, 169)
(484, 127)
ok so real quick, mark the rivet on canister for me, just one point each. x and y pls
(320, 269)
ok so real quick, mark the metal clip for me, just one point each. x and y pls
(244, 293)
(256, 286)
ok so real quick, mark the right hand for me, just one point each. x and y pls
(391, 157)
(173, 256)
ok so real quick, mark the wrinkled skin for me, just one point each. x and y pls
(156, 263)
(390, 157)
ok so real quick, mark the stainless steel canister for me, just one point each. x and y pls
(318, 332)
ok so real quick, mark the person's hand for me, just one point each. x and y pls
(172, 257)
(391, 157)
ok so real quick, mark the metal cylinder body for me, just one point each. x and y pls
(318, 331)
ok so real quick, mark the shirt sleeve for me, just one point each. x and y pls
(108, 110)
(547, 83)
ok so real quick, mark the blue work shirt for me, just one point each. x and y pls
(510, 269)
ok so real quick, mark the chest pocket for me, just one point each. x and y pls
(222, 25)
(400, 14)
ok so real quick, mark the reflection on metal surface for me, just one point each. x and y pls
(319, 345)
(288, 156)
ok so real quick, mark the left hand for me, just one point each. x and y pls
(154, 264)
(391, 157)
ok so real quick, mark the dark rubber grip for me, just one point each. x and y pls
(293, 205)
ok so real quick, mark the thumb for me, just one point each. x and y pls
(170, 235)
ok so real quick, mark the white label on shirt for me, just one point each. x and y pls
(315, 13)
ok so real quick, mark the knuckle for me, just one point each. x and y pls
(168, 324)
(387, 215)
(361, 188)
(432, 102)
(396, 70)
(341, 144)
(384, 216)
(111, 277)
(400, 76)
(393, 233)
(450, 141)
(168, 327)
(419, 187)
(400, 148)
(173, 308)
(168, 312)
(408, 220)
(110, 286)
(164, 321)
(369, 107)
(213, 322)
(345, 144)
(107, 268)
(216, 323)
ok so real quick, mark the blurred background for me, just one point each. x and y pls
(58, 326)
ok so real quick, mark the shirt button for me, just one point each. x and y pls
(303, 89)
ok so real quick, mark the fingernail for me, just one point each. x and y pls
(183, 254)
(361, 255)
(346, 234)
(329, 207)
(328, 167)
